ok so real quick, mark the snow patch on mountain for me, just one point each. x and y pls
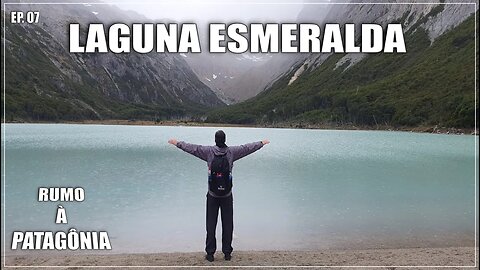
(351, 59)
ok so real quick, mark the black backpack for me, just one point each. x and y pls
(219, 181)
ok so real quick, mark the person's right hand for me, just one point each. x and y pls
(265, 142)
(173, 141)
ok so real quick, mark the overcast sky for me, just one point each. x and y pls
(216, 10)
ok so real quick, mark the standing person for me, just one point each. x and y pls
(219, 158)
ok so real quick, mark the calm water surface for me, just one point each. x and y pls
(308, 189)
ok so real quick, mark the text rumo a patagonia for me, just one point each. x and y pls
(237, 38)
(60, 240)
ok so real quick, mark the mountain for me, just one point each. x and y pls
(223, 72)
(432, 84)
(259, 77)
(236, 77)
(44, 81)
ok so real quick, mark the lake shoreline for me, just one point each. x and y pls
(389, 258)
(420, 129)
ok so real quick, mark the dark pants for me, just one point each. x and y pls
(226, 206)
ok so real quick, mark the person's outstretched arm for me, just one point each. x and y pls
(199, 151)
(241, 151)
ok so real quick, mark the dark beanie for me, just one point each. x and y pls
(220, 139)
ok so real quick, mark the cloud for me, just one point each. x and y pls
(216, 11)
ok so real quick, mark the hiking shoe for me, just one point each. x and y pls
(209, 257)
(228, 257)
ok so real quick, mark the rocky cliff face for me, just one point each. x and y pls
(45, 81)
(432, 84)
(436, 19)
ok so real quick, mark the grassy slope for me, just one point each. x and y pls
(430, 84)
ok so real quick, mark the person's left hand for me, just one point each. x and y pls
(173, 141)
(265, 142)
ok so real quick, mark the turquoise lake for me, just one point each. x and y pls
(308, 189)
